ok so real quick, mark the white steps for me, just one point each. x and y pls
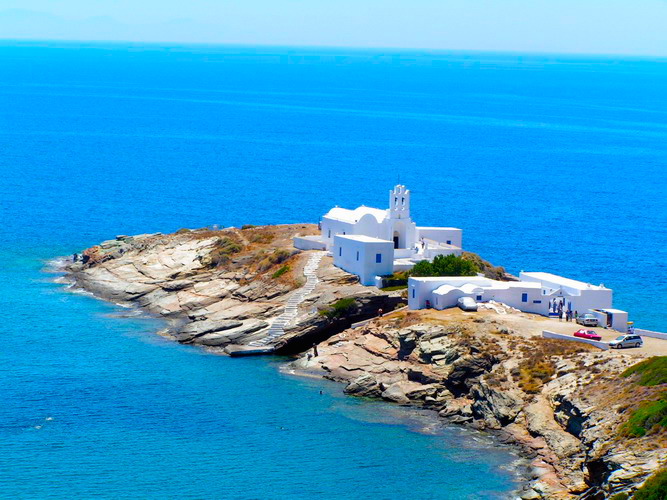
(277, 328)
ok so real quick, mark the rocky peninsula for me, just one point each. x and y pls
(571, 408)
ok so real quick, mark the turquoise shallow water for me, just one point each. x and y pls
(96, 405)
(547, 163)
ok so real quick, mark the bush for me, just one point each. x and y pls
(280, 272)
(652, 371)
(224, 248)
(448, 265)
(183, 230)
(655, 487)
(340, 309)
(247, 226)
(278, 256)
(648, 418)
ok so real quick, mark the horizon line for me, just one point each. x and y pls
(331, 47)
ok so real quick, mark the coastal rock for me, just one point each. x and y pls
(495, 406)
(540, 422)
(365, 386)
(227, 336)
(197, 328)
(396, 393)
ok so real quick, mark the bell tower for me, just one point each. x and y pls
(399, 202)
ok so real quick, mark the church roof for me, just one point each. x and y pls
(345, 215)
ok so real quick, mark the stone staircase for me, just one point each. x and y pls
(277, 328)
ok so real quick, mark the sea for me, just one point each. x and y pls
(547, 162)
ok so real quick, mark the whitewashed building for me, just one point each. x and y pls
(356, 237)
(535, 292)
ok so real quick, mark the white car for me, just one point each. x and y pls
(623, 341)
(587, 320)
(467, 303)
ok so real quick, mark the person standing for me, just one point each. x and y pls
(560, 314)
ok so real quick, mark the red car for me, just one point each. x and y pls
(587, 334)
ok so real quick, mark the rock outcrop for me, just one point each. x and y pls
(469, 368)
(223, 288)
(561, 403)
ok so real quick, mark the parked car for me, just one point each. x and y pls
(467, 303)
(587, 334)
(623, 341)
(587, 320)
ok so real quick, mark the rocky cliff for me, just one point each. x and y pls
(564, 404)
(222, 289)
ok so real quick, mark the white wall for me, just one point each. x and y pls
(552, 335)
(308, 243)
(619, 319)
(582, 299)
(359, 257)
(332, 227)
(421, 290)
(442, 235)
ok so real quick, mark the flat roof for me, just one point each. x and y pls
(362, 238)
(432, 227)
(561, 281)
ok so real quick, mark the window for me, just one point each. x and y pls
(479, 297)
(343, 233)
(357, 254)
(413, 293)
(378, 258)
(340, 251)
(329, 233)
(537, 301)
(524, 297)
(449, 242)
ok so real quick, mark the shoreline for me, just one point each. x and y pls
(519, 469)
(461, 366)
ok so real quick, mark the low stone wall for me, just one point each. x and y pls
(649, 333)
(552, 335)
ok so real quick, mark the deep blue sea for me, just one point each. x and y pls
(549, 163)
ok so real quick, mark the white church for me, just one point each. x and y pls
(370, 242)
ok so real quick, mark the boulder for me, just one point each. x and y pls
(364, 385)
(495, 406)
(396, 394)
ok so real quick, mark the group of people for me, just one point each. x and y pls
(569, 315)
(557, 306)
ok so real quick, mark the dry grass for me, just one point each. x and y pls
(538, 365)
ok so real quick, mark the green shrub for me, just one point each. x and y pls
(183, 230)
(340, 308)
(394, 288)
(448, 265)
(652, 371)
(619, 496)
(280, 272)
(224, 248)
(655, 487)
(247, 226)
(649, 417)
(278, 256)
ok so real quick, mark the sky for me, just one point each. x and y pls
(630, 27)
